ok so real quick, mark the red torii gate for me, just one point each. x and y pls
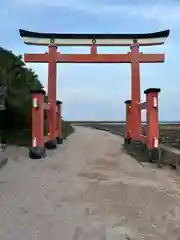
(134, 57)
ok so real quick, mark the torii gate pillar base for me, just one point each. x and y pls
(37, 152)
(59, 140)
(52, 144)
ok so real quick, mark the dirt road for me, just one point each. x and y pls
(88, 189)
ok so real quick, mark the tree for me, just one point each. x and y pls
(19, 80)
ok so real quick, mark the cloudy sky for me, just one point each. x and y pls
(98, 91)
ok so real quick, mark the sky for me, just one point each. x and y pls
(98, 91)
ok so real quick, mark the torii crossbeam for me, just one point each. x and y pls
(134, 57)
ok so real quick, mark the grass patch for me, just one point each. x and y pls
(67, 129)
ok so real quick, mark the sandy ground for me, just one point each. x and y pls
(88, 189)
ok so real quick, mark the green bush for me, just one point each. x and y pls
(15, 121)
(19, 80)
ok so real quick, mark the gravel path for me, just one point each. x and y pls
(88, 189)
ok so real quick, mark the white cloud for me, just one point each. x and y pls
(165, 13)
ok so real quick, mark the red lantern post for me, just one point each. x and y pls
(152, 143)
(38, 149)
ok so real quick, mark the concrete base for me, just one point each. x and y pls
(3, 162)
(37, 152)
(59, 140)
(169, 156)
(52, 144)
(3, 159)
(139, 150)
(127, 140)
(127, 144)
(154, 155)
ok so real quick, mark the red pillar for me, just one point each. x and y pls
(37, 150)
(152, 117)
(128, 126)
(135, 92)
(59, 122)
(52, 95)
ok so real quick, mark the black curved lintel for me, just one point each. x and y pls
(128, 102)
(152, 90)
(40, 91)
(161, 34)
(58, 102)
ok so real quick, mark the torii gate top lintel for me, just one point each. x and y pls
(101, 39)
